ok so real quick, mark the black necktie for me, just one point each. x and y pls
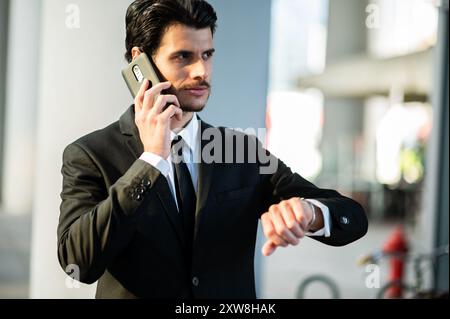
(186, 197)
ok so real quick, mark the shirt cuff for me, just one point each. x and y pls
(157, 162)
(326, 230)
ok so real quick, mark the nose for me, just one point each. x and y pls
(199, 70)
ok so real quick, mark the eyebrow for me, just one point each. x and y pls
(190, 52)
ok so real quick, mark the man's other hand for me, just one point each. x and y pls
(286, 223)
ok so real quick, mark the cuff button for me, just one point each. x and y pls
(345, 220)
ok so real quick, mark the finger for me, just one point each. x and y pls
(158, 88)
(139, 99)
(147, 104)
(282, 229)
(179, 115)
(270, 232)
(170, 112)
(268, 248)
(299, 211)
(151, 95)
(267, 225)
(162, 101)
(292, 223)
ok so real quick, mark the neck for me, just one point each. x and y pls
(179, 125)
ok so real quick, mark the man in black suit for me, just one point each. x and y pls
(162, 205)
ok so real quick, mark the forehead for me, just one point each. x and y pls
(180, 37)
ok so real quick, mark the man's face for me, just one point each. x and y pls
(185, 59)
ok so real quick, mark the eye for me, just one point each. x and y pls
(208, 55)
(182, 56)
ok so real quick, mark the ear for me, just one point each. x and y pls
(135, 52)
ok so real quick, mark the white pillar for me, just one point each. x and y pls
(80, 90)
(20, 113)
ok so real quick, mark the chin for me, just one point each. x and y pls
(193, 106)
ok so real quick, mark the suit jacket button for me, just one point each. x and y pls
(195, 281)
(345, 220)
(138, 197)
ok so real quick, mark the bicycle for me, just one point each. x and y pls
(414, 290)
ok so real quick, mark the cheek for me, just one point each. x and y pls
(209, 71)
(171, 72)
(177, 77)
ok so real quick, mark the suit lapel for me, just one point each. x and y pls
(135, 146)
(205, 177)
(130, 130)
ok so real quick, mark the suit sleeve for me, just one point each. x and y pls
(348, 219)
(96, 223)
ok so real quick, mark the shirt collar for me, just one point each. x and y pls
(189, 134)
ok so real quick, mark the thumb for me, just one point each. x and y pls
(268, 248)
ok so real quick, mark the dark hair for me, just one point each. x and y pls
(147, 20)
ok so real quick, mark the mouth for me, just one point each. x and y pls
(198, 91)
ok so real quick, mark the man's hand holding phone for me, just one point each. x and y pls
(154, 112)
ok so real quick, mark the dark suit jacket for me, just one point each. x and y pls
(119, 222)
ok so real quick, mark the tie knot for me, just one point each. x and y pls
(177, 142)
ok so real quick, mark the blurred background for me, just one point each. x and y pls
(353, 93)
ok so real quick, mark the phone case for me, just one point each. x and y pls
(138, 70)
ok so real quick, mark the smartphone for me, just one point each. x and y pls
(139, 70)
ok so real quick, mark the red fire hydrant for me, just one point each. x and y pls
(398, 246)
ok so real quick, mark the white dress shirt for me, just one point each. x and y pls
(190, 135)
